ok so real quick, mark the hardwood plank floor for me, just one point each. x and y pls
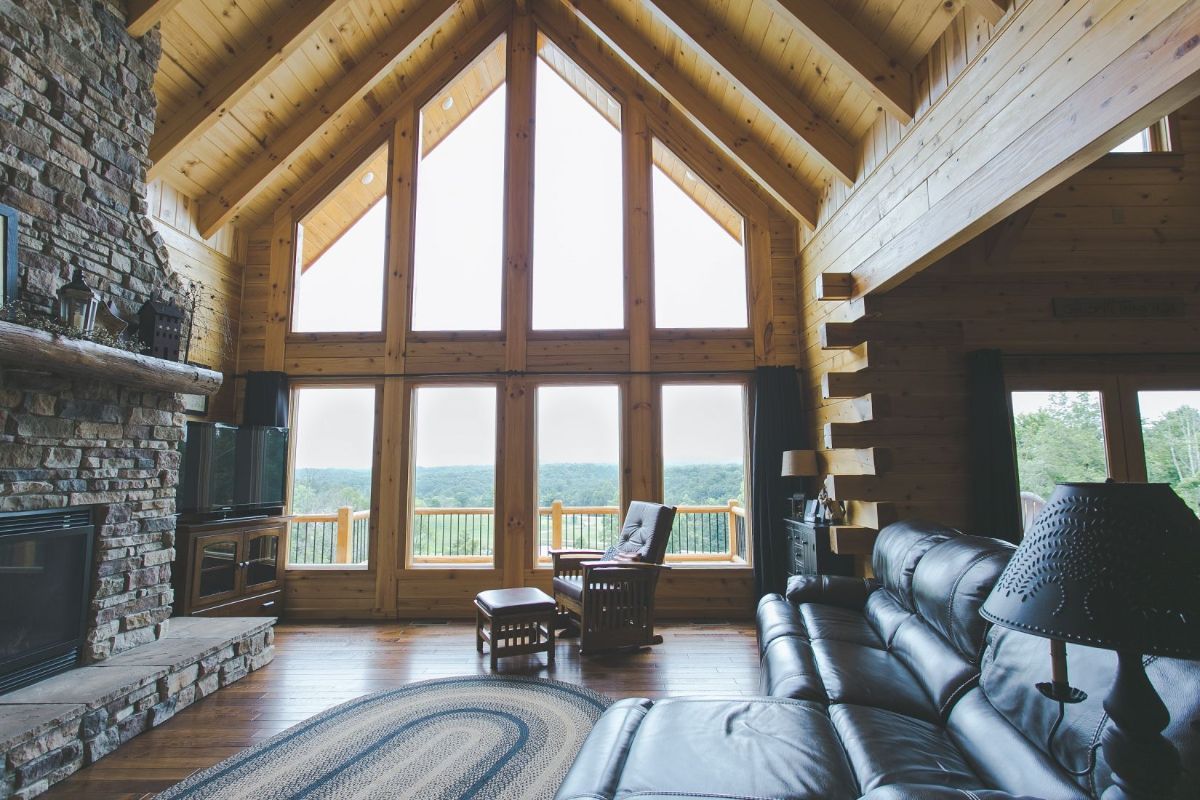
(319, 665)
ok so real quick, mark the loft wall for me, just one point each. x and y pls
(1129, 225)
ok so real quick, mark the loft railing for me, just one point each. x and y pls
(465, 535)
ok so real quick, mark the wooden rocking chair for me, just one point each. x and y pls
(612, 601)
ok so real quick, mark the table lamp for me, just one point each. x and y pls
(1114, 566)
(799, 464)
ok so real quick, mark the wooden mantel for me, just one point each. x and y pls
(28, 348)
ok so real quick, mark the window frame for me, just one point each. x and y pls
(294, 388)
(450, 563)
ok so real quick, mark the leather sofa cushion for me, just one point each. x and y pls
(1015, 661)
(885, 615)
(596, 772)
(830, 590)
(776, 617)
(832, 622)
(885, 747)
(940, 669)
(923, 791)
(867, 676)
(570, 586)
(899, 548)
(735, 748)
(788, 670)
(951, 582)
(1002, 756)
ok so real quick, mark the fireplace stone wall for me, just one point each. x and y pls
(72, 442)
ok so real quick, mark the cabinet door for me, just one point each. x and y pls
(264, 558)
(217, 572)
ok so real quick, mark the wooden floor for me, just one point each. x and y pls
(320, 665)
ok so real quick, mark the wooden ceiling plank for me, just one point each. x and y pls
(238, 79)
(715, 44)
(879, 74)
(799, 199)
(142, 15)
(352, 87)
(992, 10)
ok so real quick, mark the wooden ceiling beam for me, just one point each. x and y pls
(693, 104)
(288, 33)
(878, 74)
(717, 46)
(142, 15)
(352, 87)
(992, 10)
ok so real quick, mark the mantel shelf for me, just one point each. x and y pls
(47, 352)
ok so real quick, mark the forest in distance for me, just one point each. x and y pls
(323, 491)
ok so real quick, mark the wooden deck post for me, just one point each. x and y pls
(556, 520)
(733, 528)
(345, 525)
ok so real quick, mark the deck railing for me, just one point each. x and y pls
(465, 535)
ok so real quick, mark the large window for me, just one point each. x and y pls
(704, 469)
(459, 237)
(333, 431)
(699, 255)
(578, 241)
(1171, 440)
(1060, 438)
(341, 255)
(579, 466)
(454, 474)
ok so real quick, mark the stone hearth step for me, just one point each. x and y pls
(60, 725)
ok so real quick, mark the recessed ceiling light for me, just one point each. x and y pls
(448, 104)
(367, 178)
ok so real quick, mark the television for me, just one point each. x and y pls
(208, 471)
(230, 471)
(262, 453)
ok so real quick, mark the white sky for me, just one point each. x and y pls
(700, 280)
(1152, 404)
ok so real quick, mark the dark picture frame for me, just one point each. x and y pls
(812, 510)
(8, 254)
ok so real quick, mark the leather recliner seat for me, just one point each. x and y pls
(893, 688)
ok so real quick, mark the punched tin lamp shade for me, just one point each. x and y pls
(1109, 565)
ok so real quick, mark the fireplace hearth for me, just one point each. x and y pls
(45, 577)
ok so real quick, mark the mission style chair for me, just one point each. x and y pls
(610, 594)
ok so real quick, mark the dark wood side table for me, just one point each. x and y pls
(808, 544)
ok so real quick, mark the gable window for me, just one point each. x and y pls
(459, 237)
(699, 251)
(578, 245)
(341, 253)
(1155, 139)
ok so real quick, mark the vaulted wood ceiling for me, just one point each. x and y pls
(256, 95)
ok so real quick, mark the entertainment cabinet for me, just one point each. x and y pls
(810, 553)
(231, 567)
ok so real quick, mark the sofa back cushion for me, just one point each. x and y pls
(1013, 662)
(899, 548)
(950, 584)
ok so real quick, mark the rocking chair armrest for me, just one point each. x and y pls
(623, 564)
(568, 551)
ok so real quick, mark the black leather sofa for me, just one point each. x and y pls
(886, 689)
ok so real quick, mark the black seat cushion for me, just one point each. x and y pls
(735, 748)
(885, 747)
(950, 584)
(571, 586)
(645, 532)
(515, 601)
(870, 677)
(899, 548)
(842, 624)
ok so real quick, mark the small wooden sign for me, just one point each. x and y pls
(1119, 307)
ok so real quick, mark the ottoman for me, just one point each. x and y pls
(514, 622)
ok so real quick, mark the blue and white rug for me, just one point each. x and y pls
(470, 737)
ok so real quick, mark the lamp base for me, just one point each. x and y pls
(1144, 763)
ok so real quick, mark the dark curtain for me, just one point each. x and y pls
(994, 493)
(775, 427)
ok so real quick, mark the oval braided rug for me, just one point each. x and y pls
(477, 737)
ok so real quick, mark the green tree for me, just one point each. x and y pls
(1173, 452)
(1061, 442)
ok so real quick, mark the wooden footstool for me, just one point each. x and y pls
(517, 621)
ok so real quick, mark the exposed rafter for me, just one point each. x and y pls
(696, 106)
(835, 37)
(142, 15)
(716, 45)
(351, 88)
(299, 21)
(992, 10)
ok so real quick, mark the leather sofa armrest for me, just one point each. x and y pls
(833, 590)
(597, 768)
(924, 791)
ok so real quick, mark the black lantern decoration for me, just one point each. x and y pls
(159, 327)
(77, 304)
(1114, 566)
